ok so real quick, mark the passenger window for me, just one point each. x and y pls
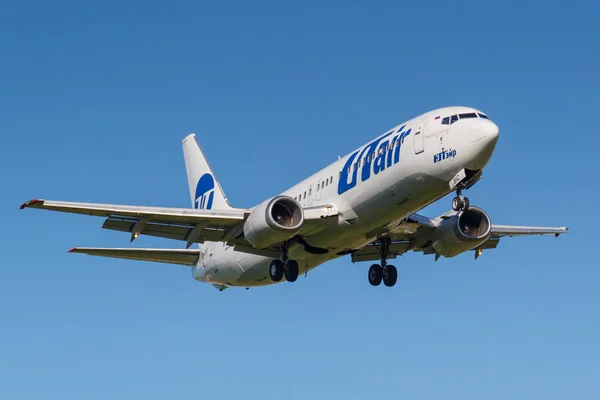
(331, 179)
(467, 115)
(446, 121)
(484, 116)
(453, 119)
(309, 191)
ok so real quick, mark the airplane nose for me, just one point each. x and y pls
(484, 142)
(492, 132)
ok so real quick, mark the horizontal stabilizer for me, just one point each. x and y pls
(169, 256)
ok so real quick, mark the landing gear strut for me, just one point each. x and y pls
(386, 273)
(460, 203)
(284, 267)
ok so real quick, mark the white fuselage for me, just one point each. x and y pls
(378, 184)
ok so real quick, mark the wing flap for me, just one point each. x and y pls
(168, 256)
(168, 231)
(371, 251)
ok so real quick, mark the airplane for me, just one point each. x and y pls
(363, 205)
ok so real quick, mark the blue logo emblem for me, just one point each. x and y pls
(444, 155)
(205, 192)
(372, 159)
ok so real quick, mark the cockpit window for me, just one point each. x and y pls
(452, 119)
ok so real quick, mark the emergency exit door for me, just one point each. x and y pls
(419, 137)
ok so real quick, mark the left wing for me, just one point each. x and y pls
(416, 233)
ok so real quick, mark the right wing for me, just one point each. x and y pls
(169, 256)
(187, 224)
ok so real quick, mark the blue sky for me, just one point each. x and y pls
(96, 98)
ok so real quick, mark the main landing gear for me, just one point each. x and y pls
(284, 268)
(386, 273)
(460, 203)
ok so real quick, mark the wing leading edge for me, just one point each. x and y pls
(515, 230)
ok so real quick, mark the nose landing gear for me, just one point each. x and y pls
(460, 203)
(386, 273)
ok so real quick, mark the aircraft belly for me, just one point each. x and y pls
(375, 209)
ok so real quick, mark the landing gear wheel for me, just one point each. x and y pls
(276, 270)
(390, 275)
(375, 274)
(290, 270)
(457, 203)
(465, 205)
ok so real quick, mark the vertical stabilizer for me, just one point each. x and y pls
(205, 191)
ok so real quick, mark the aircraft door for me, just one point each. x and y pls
(309, 198)
(419, 136)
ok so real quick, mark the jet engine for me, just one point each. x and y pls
(273, 221)
(462, 232)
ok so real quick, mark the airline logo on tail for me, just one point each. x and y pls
(205, 192)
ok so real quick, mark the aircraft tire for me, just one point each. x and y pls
(276, 270)
(465, 204)
(375, 275)
(390, 275)
(290, 270)
(457, 203)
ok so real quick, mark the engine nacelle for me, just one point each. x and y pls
(273, 221)
(462, 232)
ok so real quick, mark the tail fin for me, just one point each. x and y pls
(205, 191)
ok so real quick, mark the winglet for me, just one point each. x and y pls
(30, 203)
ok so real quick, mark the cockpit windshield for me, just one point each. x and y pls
(453, 118)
